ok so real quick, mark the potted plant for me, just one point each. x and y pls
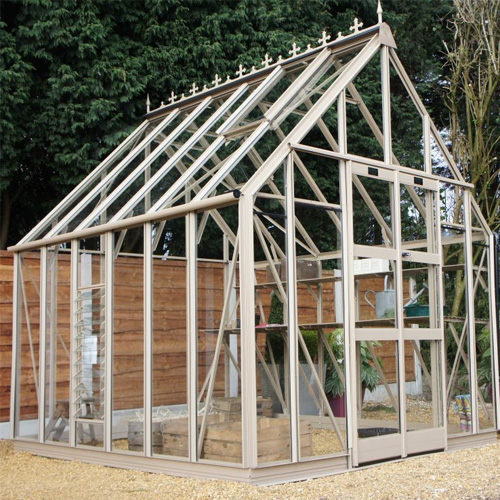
(334, 388)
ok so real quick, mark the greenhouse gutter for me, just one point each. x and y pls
(213, 203)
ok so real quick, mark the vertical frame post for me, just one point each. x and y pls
(348, 299)
(471, 320)
(16, 351)
(42, 345)
(386, 103)
(401, 375)
(427, 143)
(73, 333)
(248, 344)
(292, 306)
(148, 338)
(108, 335)
(192, 334)
(493, 263)
(441, 397)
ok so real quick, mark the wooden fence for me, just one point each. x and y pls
(169, 330)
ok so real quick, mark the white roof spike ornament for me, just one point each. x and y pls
(217, 79)
(356, 25)
(267, 60)
(379, 12)
(324, 38)
(241, 71)
(172, 97)
(295, 50)
(339, 35)
(193, 89)
(148, 104)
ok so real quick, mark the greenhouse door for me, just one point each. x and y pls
(397, 315)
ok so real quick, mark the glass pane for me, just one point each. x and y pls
(128, 341)
(321, 381)
(169, 340)
(406, 124)
(271, 295)
(377, 391)
(28, 315)
(219, 388)
(90, 342)
(372, 211)
(484, 352)
(421, 299)
(375, 290)
(418, 222)
(58, 347)
(423, 385)
(456, 331)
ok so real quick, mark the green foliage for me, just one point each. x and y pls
(74, 74)
(370, 377)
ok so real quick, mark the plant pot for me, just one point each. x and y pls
(337, 404)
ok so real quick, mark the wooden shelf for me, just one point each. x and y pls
(309, 281)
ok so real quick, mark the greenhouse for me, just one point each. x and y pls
(276, 277)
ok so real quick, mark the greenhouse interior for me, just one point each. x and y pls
(279, 276)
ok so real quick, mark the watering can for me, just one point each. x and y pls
(384, 301)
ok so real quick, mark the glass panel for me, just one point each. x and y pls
(456, 331)
(377, 391)
(406, 124)
(418, 221)
(484, 353)
(273, 381)
(420, 295)
(129, 175)
(28, 314)
(372, 211)
(366, 90)
(128, 341)
(86, 186)
(169, 377)
(219, 388)
(375, 291)
(423, 385)
(89, 347)
(58, 347)
(321, 381)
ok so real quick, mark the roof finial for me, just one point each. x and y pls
(356, 25)
(148, 104)
(379, 12)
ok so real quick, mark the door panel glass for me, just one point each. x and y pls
(377, 389)
(373, 210)
(418, 221)
(423, 385)
(375, 289)
(420, 295)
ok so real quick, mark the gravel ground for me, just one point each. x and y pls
(460, 475)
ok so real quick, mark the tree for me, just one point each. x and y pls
(75, 73)
(473, 100)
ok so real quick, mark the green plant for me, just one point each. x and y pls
(484, 366)
(370, 377)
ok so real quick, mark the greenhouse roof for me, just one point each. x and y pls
(227, 139)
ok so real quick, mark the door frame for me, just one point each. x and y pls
(404, 442)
